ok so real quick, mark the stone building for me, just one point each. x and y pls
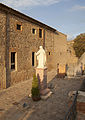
(20, 38)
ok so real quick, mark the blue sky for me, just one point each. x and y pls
(67, 16)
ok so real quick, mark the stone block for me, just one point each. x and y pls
(41, 74)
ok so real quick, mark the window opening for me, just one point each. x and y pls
(49, 53)
(40, 33)
(33, 31)
(33, 58)
(13, 60)
(18, 27)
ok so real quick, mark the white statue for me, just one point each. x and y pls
(41, 57)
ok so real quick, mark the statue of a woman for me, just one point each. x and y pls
(41, 57)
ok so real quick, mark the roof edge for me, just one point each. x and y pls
(23, 16)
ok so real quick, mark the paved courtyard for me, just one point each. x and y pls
(16, 105)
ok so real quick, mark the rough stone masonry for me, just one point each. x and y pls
(20, 38)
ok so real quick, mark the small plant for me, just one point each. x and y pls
(35, 89)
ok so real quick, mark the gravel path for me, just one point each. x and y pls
(54, 108)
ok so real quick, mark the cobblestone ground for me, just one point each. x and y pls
(12, 100)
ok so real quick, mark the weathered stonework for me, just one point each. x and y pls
(2, 50)
(24, 42)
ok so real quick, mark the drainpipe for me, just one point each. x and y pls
(44, 40)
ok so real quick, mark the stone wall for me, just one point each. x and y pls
(23, 42)
(2, 50)
(60, 48)
(49, 48)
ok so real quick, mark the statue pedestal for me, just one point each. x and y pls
(41, 74)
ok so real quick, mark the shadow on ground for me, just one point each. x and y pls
(82, 88)
(54, 108)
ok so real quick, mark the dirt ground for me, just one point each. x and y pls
(16, 105)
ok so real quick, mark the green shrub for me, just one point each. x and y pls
(35, 88)
(79, 45)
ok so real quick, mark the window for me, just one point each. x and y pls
(57, 68)
(19, 27)
(13, 60)
(33, 58)
(49, 53)
(40, 33)
(33, 31)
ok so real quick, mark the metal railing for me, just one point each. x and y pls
(72, 112)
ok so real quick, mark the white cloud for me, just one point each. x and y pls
(27, 3)
(77, 7)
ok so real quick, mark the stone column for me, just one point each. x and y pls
(41, 74)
